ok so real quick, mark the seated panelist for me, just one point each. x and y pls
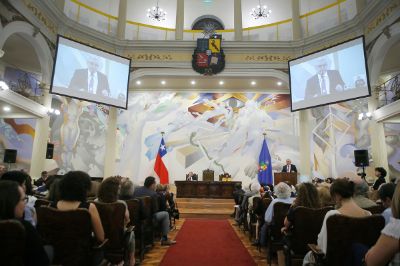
(191, 176)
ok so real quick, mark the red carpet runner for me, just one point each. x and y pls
(207, 242)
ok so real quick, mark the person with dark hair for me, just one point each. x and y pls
(385, 195)
(307, 196)
(73, 188)
(23, 179)
(160, 217)
(342, 191)
(380, 173)
(108, 193)
(42, 179)
(3, 169)
(12, 205)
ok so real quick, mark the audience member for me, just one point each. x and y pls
(380, 173)
(282, 192)
(324, 196)
(161, 217)
(238, 193)
(12, 205)
(108, 193)
(73, 188)
(386, 192)
(22, 179)
(127, 189)
(342, 191)
(386, 249)
(54, 191)
(360, 197)
(307, 196)
(42, 179)
(3, 169)
(329, 180)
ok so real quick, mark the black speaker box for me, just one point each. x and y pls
(49, 151)
(361, 158)
(10, 156)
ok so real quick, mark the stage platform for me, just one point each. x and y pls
(205, 208)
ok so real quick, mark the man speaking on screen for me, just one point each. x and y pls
(90, 79)
(325, 81)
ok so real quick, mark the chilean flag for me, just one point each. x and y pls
(159, 166)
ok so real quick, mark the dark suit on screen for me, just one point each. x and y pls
(313, 88)
(80, 82)
(292, 168)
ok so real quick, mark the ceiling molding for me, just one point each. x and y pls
(32, 108)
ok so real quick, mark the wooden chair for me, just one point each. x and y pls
(378, 209)
(41, 202)
(343, 232)
(275, 237)
(112, 217)
(146, 213)
(134, 208)
(12, 243)
(70, 233)
(306, 226)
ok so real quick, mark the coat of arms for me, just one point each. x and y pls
(208, 57)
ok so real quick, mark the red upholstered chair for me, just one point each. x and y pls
(70, 233)
(12, 243)
(345, 231)
(306, 226)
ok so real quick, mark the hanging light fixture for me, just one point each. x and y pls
(260, 11)
(156, 13)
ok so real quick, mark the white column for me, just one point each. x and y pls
(180, 19)
(109, 160)
(360, 5)
(378, 141)
(304, 142)
(296, 25)
(60, 4)
(123, 6)
(40, 140)
(238, 20)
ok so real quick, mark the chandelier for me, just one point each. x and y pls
(260, 11)
(156, 13)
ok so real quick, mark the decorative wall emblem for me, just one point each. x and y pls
(208, 57)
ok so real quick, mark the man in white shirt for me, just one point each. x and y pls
(325, 81)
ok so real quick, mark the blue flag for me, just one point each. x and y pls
(265, 165)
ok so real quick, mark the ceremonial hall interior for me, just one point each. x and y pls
(199, 132)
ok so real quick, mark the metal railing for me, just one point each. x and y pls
(276, 31)
(389, 91)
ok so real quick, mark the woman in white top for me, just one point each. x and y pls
(342, 191)
(386, 248)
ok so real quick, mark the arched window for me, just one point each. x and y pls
(208, 22)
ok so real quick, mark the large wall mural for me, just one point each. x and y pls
(79, 135)
(392, 137)
(219, 131)
(336, 133)
(18, 134)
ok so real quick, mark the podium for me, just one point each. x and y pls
(291, 178)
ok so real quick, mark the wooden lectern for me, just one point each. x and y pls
(291, 178)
